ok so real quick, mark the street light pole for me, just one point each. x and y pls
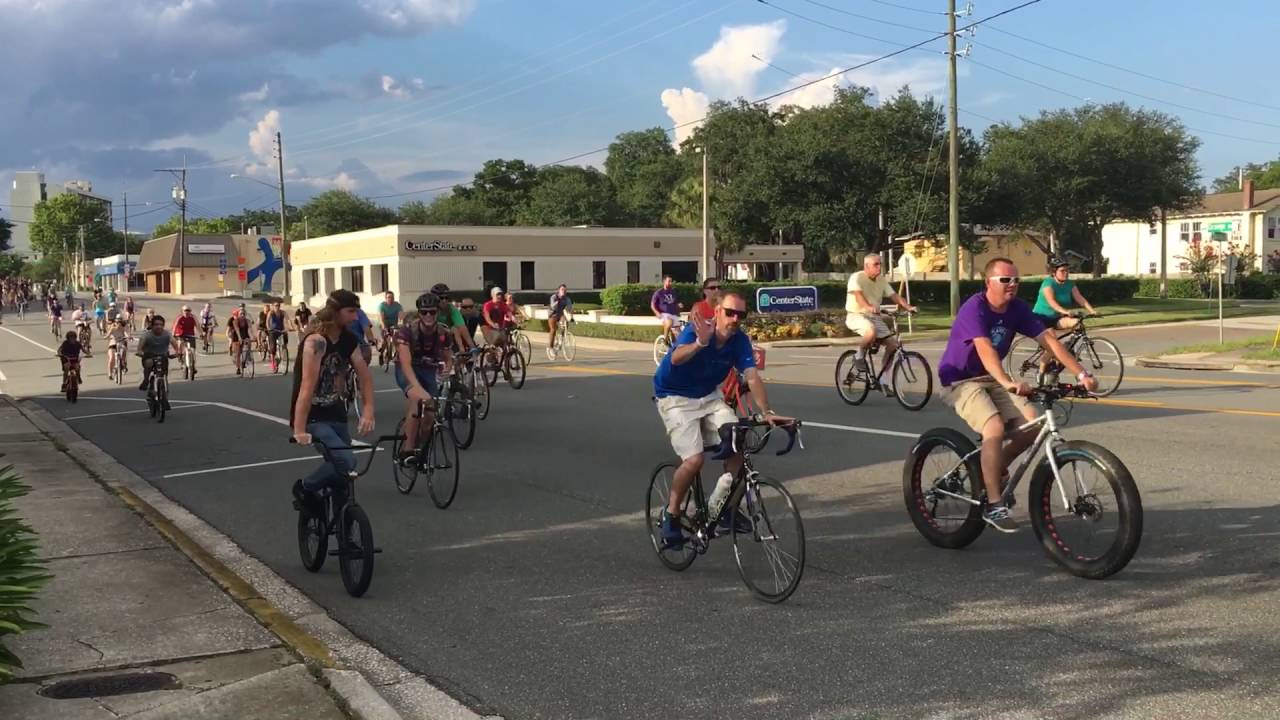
(706, 225)
(284, 237)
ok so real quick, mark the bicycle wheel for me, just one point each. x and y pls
(1101, 357)
(659, 494)
(515, 366)
(405, 476)
(355, 550)
(483, 396)
(313, 540)
(525, 346)
(462, 416)
(443, 465)
(660, 347)
(937, 465)
(852, 384)
(490, 369)
(1023, 360)
(282, 350)
(73, 387)
(912, 380)
(771, 555)
(568, 346)
(162, 396)
(1100, 532)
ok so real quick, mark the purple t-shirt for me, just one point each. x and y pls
(976, 319)
(665, 301)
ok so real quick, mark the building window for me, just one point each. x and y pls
(378, 276)
(355, 279)
(597, 274)
(633, 271)
(1151, 269)
(526, 275)
(1272, 223)
(329, 285)
(310, 281)
(1189, 231)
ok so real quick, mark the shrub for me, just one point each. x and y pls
(22, 573)
(1177, 287)
(603, 331)
(1273, 262)
(1258, 287)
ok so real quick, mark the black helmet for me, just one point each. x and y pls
(440, 289)
(1056, 262)
(427, 301)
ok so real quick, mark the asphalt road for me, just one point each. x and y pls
(537, 594)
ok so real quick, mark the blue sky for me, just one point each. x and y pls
(392, 96)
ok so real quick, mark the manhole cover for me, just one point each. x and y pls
(108, 685)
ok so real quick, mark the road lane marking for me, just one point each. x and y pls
(131, 412)
(1217, 383)
(588, 371)
(854, 428)
(1188, 408)
(264, 463)
(33, 342)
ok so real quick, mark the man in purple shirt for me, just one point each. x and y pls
(975, 384)
(665, 306)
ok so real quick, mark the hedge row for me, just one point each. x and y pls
(527, 297)
(1250, 287)
(22, 572)
(634, 299)
(603, 331)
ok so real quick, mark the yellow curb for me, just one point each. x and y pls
(241, 591)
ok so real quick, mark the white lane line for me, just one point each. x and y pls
(130, 412)
(871, 431)
(33, 342)
(272, 418)
(252, 465)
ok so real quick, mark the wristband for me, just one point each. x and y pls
(1083, 374)
(700, 344)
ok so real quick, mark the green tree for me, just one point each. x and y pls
(569, 195)
(644, 170)
(12, 265)
(47, 269)
(6, 234)
(1074, 171)
(684, 208)
(450, 210)
(62, 219)
(1265, 176)
(340, 211)
(502, 187)
(197, 226)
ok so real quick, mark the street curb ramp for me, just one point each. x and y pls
(358, 675)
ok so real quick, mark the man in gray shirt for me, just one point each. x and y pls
(154, 347)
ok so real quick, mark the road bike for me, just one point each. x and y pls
(320, 516)
(737, 395)
(71, 379)
(1098, 356)
(768, 535)
(158, 386)
(436, 457)
(911, 376)
(207, 345)
(665, 341)
(477, 386)
(1085, 508)
(511, 364)
(119, 363)
(565, 344)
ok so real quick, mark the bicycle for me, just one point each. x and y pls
(278, 352)
(119, 364)
(911, 375)
(85, 334)
(436, 456)
(71, 379)
(158, 387)
(770, 512)
(665, 341)
(22, 309)
(246, 360)
(477, 385)
(954, 482)
(737, 395)
(1099, 356)
(349, 523)
(517, 339)
(511, 364)
(262, 344)
(565, 345)
(55, 324)
(388, 355)
(188, 359)
(460, 407)
(207, 345)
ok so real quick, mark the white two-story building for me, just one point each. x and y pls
(1133, 248)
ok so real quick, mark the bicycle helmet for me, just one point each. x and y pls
(427, 301)
(440, 289)
(1056, 262)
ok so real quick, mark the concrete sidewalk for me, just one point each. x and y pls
(127, 606)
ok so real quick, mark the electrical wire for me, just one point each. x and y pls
(829, 26)
(860, 17)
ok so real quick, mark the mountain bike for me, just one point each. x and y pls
(321, 516)
(1085, 508)
(1099, 356)
(911, 376)
(665, 341)
(565, 345)
(158, 386)
(768, 535)
(436, 456)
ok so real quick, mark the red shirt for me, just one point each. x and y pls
(496, 312)
(703, 309)
(184, 326)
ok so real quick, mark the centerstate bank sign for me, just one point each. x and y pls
(437, 246)
(803, 298)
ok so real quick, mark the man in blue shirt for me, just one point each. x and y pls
(687, 387)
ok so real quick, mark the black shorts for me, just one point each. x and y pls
(1050, 321)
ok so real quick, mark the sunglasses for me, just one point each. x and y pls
(735, 313)
(1006, 279)
(711, 287)
(429, 312)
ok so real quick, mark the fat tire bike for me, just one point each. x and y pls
(1089, 535)
(910, 374)
(768, 535)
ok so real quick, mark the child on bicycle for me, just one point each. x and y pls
(69, 355)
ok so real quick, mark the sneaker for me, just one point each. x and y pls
(731, 522)
(999, 517)
(672, 533)
(860, 362)
(303, 497)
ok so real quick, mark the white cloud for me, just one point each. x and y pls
(341, 181)
(685, 106)
(408, 88)
(925, 76)
(262, 139)
(818, 94)
(255, 96)
(727, 70)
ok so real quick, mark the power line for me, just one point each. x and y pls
(863, 17)
(907, 7)
(836, 28)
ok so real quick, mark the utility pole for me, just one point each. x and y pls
(1164, 257)
(125, 287)
(706, 225)
(284, 238)
(953, 162)
(180, 197)
(80, 257)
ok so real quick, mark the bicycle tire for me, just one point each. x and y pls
(444, 466)
(1109, 362)
(911, 370)
(283, 352)
(73, 387)
(1023, 360)
(461, 414)
(482, 394)
(405, 477)
(525, 346)
(515, 365)
(786, 568)
(1043, 499)
(847, 379)
(355, 551)
(916, 487)
(490, 370)
(162, 395)
(313, 540)
(660, 348)
(659, 494)
(568, 346)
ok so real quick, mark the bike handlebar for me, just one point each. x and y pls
(731, 435)
(1051, 393)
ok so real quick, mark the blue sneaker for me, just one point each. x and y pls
(731, 521)
(673, 537)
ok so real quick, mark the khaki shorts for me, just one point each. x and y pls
(864, 324)
(976, 400)
(694, 423)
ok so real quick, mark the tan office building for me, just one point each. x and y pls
(408, 259)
